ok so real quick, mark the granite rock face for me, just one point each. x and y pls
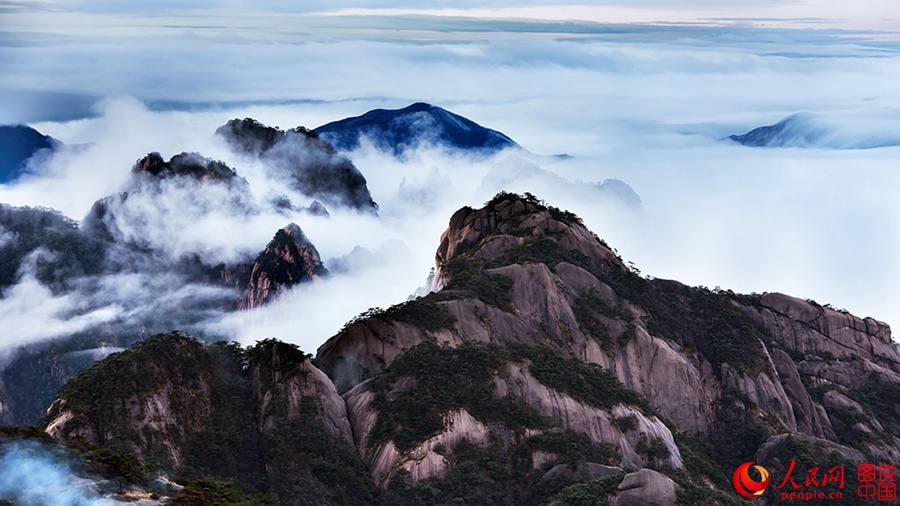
(290, 258)
(517, 272)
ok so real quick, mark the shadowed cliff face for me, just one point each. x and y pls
(541, 367)
(263, 416)
(289, 259)
(309, 163)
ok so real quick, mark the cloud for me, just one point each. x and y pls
(31, 475)
(646, 105)
(31, 313)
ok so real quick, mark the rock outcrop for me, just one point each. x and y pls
(290, 258)
(717, 365)
(300, 156)
(264, 416)
(646, 488)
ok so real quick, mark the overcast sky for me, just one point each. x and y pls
(638, 91)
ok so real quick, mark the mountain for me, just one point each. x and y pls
(399, 130)
(18, 143)
(540, 370)
(310, 164)
(290, 258)
(263, 416)
(46, 244)
(806, 130)
(125, 275)
(160, 192)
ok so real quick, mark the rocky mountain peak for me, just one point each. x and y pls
(509, 222)
(256, 138)
(184, 164)
(309, 163)
(289, 258)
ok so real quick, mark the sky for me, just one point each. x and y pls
(642, 92)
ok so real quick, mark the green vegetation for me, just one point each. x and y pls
(538, 204)
(807, 456)
(469, 277)
(422, 313)
(307, 464)
(702, 460)
(589, 493)
(589, 383)
(236, 448)
(209, 492)
(573, 448)
(693, 492)
(738, 435)
(479, 476)
(500, 474)
(36, 227)
(653, 449)
(543, 250)
(698, 319)
(883, 400)
(441, 379)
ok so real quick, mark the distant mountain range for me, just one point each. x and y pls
(399, 130)
(18, 143)
(807, 130)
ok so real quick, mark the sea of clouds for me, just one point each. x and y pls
(648, 105)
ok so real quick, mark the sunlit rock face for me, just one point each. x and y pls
(290, 258)
(307, 162)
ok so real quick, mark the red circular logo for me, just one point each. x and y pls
(747, 486)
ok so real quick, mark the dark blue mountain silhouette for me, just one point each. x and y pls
(17, 144)
(397, 130)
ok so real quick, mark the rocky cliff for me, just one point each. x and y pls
(263, 416)
(540, 369)
(290, 258)
(734, 371)
(308, 162)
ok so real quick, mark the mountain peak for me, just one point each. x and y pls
(18, 143)
(290, 258)
(184, 164)
(399, 130)
(509, 225)
(309, 163)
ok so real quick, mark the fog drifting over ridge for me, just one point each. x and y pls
(647, 105)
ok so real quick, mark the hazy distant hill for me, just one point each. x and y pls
(398, 130)
(18, 143)
(806, 130)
